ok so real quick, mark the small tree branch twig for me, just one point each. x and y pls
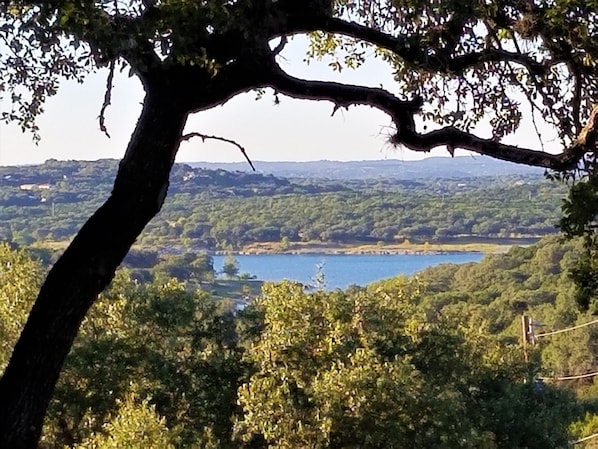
(107, 98)
(205, 137)
(280, 46)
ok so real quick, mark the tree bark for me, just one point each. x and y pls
(87, 267)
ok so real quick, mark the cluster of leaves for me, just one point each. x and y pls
(146, 341)
(35, 56)
(20, 278)
(540, 54)
(136, 425)
(534, 281)
(580, 219)
(188, 266)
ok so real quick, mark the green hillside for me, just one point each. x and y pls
(220, 210)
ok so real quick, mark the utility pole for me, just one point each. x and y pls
(527, 334)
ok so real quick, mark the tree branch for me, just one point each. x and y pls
(344, 95)
(205, 137)
(107, 99)
(280, 46)
(409, 49)
(454, 138)
(402, 113)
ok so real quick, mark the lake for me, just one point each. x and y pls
(341, 270)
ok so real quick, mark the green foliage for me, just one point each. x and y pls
(534, 281)
(215, 210)
(429, 362)
(586, 427)
(135, 426)
(457, 64)
(585, 276)
(580, 214)
(189, 266)
(366, 369)
(176, 347)
(36, 56)
(231, 266)
(20, 278)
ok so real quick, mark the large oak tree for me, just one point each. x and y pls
(458, 64)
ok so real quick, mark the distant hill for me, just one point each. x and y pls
(433, 167)
(436, 201)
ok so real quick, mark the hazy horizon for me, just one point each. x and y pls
(257, 161)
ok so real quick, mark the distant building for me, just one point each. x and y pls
(35, 186)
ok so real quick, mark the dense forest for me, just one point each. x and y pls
(434, 360)
(220, 210)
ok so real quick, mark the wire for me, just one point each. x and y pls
(580, 376)
(546, 334)
(589, 437)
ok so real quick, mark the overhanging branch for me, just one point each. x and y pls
(345, 95)
(410, 50)
(402, 114)
(452, 138)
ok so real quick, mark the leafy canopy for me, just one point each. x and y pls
(456, 63)
(400, 363)
(367, 369)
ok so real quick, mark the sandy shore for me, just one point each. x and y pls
(317, 248)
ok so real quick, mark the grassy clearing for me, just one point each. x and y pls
(235, 289)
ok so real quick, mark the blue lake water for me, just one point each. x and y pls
(340, 271)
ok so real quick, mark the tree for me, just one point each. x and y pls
(20, 279)
(231, 266)
(174, 346)
(189, 266)
(457, 63)
(136, 418)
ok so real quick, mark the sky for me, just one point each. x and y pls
(294, 130)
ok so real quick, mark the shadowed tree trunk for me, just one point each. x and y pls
(87, 267)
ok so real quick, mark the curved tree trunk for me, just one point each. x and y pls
(86, 268)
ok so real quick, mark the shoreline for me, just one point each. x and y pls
(335, 252)
(398, 249)
(318, 248)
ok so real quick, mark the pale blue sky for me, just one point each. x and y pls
(291, 131)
